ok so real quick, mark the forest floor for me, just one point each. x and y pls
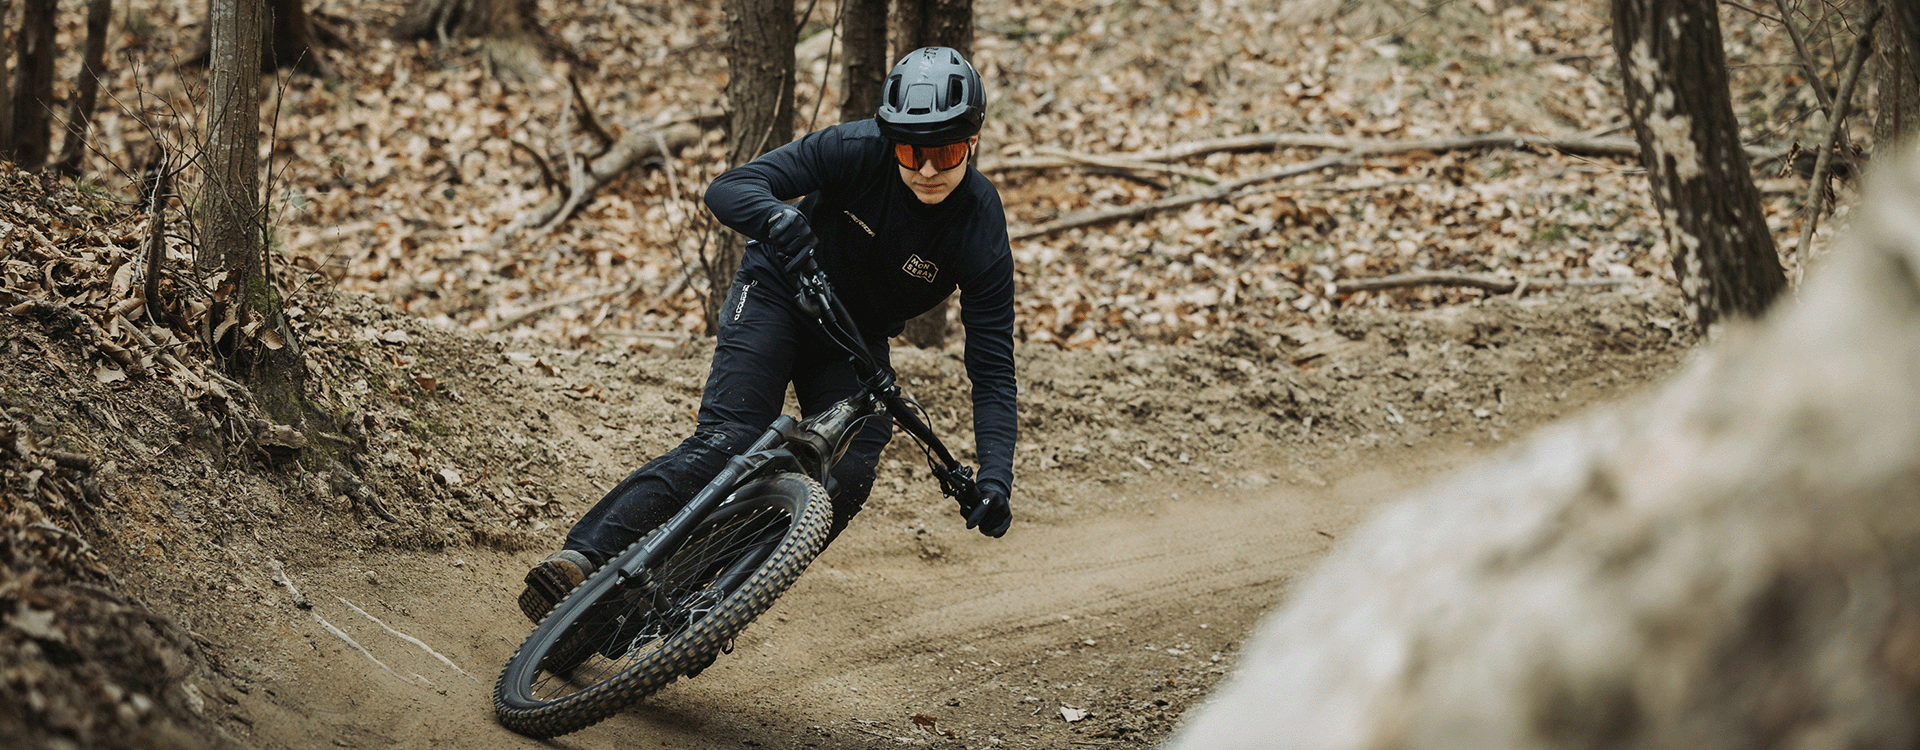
(1202, 414)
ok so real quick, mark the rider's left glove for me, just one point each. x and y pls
(994, 514)
(788, 232)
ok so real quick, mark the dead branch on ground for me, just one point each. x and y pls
(1624, 148)
(1494, 284)
(524, 315)
(631, 149)
(1354, 149)
(1130, 164)
(1223, 191)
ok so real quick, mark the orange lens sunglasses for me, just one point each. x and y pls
(943, 157)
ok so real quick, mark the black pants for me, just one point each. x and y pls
(764, 343)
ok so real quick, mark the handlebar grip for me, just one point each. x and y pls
(802, 260)
(969, 500)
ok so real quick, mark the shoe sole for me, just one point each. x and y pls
(546, 586)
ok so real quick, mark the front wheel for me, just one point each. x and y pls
(613, 642)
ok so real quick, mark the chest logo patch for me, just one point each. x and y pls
(920, 268)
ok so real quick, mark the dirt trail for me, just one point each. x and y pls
(988, 639)
(1166, 498)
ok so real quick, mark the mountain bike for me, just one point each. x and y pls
(671, 603)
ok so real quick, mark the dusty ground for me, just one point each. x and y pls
(1167, 495)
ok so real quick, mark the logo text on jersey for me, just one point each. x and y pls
(921, 268)
(856, 220)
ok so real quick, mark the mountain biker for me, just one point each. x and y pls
(899, 219)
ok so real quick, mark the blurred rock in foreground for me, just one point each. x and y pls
(1732, 561)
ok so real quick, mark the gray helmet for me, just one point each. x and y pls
(932, 97)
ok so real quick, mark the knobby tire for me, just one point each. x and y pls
(600, 651)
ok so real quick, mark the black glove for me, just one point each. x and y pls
(993, 515)
(788, 233)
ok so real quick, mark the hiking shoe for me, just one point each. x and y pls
(551, 581)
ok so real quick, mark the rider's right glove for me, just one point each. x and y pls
(788, 233)
(993, 515)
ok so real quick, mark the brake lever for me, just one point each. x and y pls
(958, 484)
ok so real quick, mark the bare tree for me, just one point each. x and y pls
(760, 109)
(931, 23)
(6, 87)
(293, 41)
(1675, 74)
(289, 39)
(1897, 65)
(92, 62)
(28, 133)
(864, 32)
(246, 325)
(510, 30)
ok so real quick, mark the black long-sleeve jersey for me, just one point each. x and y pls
(891, 257)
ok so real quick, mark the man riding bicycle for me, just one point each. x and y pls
(898, 220)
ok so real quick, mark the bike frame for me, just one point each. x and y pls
(814, 445)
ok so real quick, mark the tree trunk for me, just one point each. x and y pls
(932, 23)
(289, 39)
(93, 61)
(30, 139)
(6, 82)
(510, 30)
(1675, 76)
(292, 42)
(246, 325)
(865, 35)
(1897, 65)
(760, 110)
(1731, 563)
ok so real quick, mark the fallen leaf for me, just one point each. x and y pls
(928, 723)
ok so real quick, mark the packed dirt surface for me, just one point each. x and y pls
(189, 584)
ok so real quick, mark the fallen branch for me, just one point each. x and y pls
(524, 315)
(634, 147)
(1624, 148)
(1131, 164)
(1219, 192)
(1495, 284)
(1354, 149)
